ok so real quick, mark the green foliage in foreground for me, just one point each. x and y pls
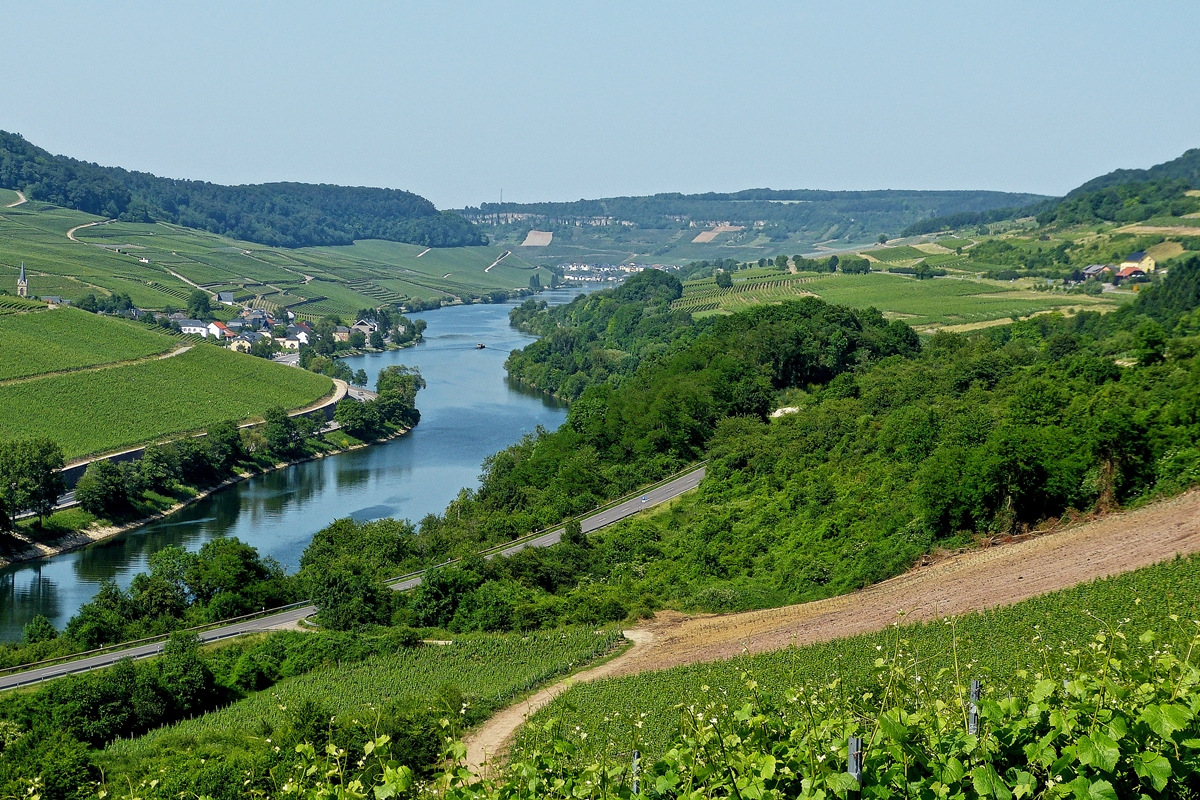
(366, 685)
(63, 339)
(99, 411)
(1116, 717)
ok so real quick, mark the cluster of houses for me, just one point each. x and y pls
(1135, 265)
(253, 325)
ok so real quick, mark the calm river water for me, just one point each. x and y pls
(468, 412)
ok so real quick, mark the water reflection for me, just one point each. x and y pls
(468, 411)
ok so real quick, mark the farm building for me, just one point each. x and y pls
(1097, 271)
(1127, 273)
(225, 298)
(1140, 259)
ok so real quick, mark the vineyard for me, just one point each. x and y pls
(1045, 633)
(903, 253)
(64, 339)
(15, 305)
(154, 262)
(706, 296)
(489, 670)
(103, 410)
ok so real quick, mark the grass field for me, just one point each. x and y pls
(154, 264)
(995, 643)
(64, 339)
(942, 302)
(487, 669)
(103, 410)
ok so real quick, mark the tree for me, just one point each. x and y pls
(264, 347)
(30, 478)
(101, 490)
(724, 279)
(799, 263)
(376, 340)
(883, 239)
(360, 378)
(225, 449)
(535, 282)
(781, 262)
(347, 595)
(183, 675)
(283, 437)
(358, 340)
(38, 630)
(198, 305)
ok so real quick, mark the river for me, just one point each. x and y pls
(468, 411)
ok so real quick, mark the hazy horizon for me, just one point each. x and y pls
(457, 102)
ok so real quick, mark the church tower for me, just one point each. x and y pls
(22, 283)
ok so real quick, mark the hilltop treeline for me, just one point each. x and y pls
(1123, 195)
(277, 214)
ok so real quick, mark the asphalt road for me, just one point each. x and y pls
(652, 497)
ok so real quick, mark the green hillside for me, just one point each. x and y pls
(66, 338)
(156, 264)
(103, 410)
(994, 645)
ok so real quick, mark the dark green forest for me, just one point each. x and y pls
(276, 214)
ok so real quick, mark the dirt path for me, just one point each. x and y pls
(496, 734)
(71, 232)
(20, 199)
(185, 280)
(979, 579)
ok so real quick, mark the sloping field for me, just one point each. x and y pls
(487, 669)
(37, 235)
(67, 338)
(107, 409)
(452, 270)
(675, 655)
(942, 301)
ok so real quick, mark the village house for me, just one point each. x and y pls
(220, 330)
(341, 333)
(289, 343)
(301, 332)
(244, 341)
(366, 327)
(193, 326)
(1097, 271)
(1142, 260)
(225, 298)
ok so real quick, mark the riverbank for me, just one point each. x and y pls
(74, 540)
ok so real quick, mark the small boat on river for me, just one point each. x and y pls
(480, 346)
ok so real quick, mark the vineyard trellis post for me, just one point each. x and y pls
(973, 712)
(637, 784)
(854, 759)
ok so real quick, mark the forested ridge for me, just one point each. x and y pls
(276, 214)
(1123, 195)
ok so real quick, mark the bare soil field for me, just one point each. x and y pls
(538, 239)
(1000, 574)
(712, 233)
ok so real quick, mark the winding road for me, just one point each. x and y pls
(291, 616)
(20, 199)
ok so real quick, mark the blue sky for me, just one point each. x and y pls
(559, 101)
